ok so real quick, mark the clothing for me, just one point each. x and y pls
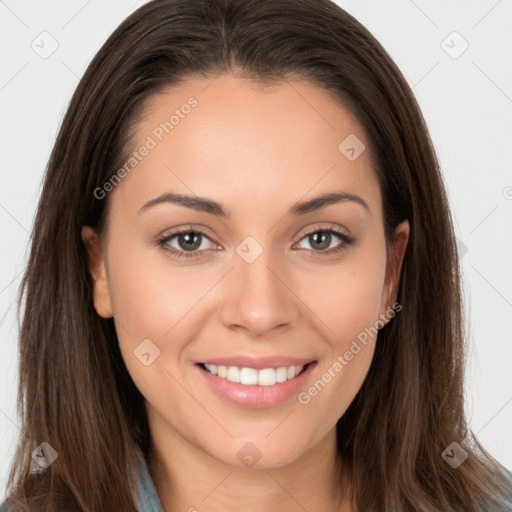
(148, 498)
(149, 501)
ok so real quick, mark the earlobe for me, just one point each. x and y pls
(394, 270)
(97, 269)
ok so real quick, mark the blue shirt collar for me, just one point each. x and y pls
(148, 498)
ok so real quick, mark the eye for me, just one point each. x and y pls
(321, 238)
(187, 240)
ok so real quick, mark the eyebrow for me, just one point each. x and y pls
(212, 207)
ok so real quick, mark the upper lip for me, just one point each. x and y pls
(258, 363)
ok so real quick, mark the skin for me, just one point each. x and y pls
(257, 152)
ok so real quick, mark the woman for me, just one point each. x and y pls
(186, 344)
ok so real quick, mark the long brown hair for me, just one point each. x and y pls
(75, 392)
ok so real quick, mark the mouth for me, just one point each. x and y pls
(255, 377)
(256, 388)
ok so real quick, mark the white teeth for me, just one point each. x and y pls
(233, 374)
(251, 376)
(282, 374)
(211, 368)
(248, 376)
(267, 377)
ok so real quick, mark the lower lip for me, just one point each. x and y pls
(256, 397)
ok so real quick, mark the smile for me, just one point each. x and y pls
(262, 387)
(254, 377)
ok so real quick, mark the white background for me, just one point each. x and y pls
(467, 102)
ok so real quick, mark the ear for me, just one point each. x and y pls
(394, 267)
(97, 268)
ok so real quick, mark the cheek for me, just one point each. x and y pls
(346, 301)
(345, 298)
(150, 296)
(351, 314)
(335, 386)
(150, 303)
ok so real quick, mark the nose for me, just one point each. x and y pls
(259, 297)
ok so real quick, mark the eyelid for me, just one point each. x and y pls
(324, 227)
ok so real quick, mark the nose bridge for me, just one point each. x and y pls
(258, 299)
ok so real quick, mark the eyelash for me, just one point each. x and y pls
(347, 241)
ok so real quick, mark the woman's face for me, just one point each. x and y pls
(262, 284)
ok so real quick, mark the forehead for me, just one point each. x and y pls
(228, 137)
